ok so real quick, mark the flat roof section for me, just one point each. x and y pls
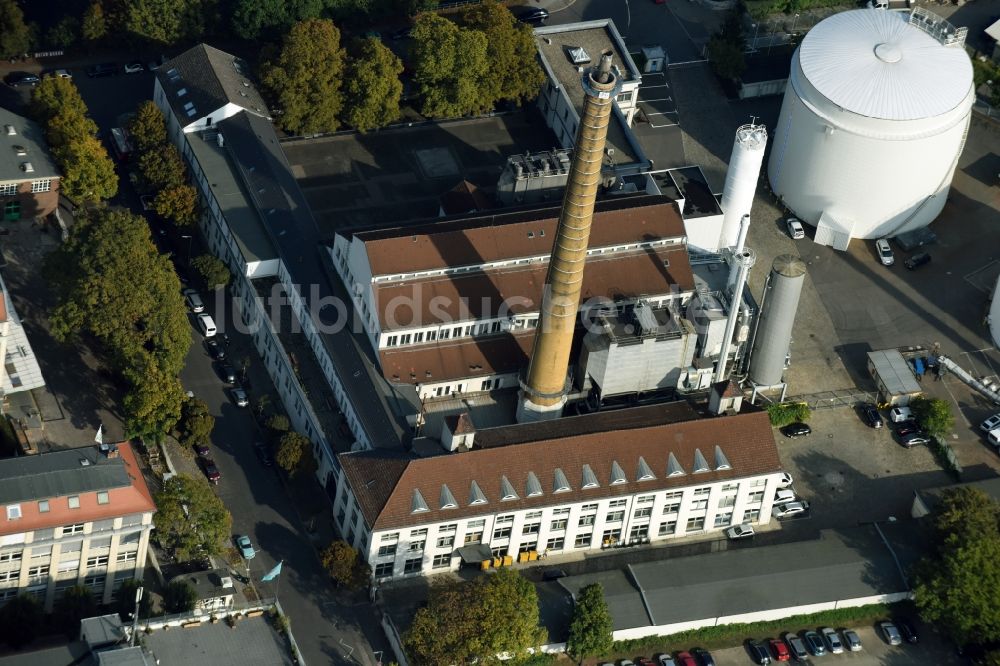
(251, 641)
(894, 371)
(690, 184)
(594, 37)
(397, 174)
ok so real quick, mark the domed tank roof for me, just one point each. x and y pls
(875, 63)
(788, 265)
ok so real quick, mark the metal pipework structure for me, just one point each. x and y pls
(543, 390)
(741, 180)
(742, 263)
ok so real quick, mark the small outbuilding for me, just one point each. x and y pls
(894, 379)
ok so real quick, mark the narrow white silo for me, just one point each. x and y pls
(741, 180)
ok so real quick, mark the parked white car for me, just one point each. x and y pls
(743, 531)
(900, 414)
(784, 496)
(884, 252)
(991, 423)
(786, 480)
(795, 229)
(790, 509)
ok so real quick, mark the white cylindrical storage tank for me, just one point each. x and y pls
(741, 180)
(994, 315)
(873, 121)
(777, 318)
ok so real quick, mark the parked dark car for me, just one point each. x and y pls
(103, 69)
(814, 643)
(905, 428)
(793, 430)
(870, 415)
(17, 79)
(917, 260)
(758, 653)
(211, 470)
(906, 629)
(703, 657)
(226, 372)
(553, 574)
(202, 450)
(534, 15)
(215, 350)
(263, 452)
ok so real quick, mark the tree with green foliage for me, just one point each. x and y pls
(20, 620)
(726, 48)
(345, 565)
(63, 34)
(372, 89)
(290, 449)
(279, 424)
(253, 19)
(68, 127)
(76, 604)
(956, 586)
(163, 167)
(56, 96)
(305, 79)
(124, 603)
(178, 203)
(190, 520)
(515, 74)
(476, 619)
(196, 423)
(212, 270)
(94, 25)
(450, 67)
(148, 127)
(153, 402)
(934, 415)
(165, 22)
(15, 35)
(88, 172)
(179, 597)
(591, 627)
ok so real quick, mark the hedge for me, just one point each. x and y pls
(788, 412)
(729, 635)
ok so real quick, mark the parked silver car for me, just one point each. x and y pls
(832, 640)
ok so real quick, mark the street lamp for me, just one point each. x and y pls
(794, 22)
(756, 29)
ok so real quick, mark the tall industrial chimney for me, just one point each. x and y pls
(741, 180)
(543, 392)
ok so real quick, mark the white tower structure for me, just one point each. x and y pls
(741, 180)
(872, 124)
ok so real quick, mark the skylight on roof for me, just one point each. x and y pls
(447, 499)
(673, 467)
(189, 106)
(578, 55)
(645, 473)
(191, 113)
(721, 461)
(589, 478)
(476, 495)
(617, 473)
(417, 503)
(182, 92)
(560, 482)
(700, 464)
(507, 493)
(533, 487)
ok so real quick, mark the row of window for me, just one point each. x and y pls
(41, 185)
(72, 502)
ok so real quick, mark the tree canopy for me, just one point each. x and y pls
(514, 72)
(306, 78)
(291, 448)
(450, 64)
(345, 565)
(212, 270)
(15, 35)
(726, 48)
(372, 89)
(179, 597)
(178, 203)
(163, 167)
(94, 25)
(476, 619)
(55, 95)
(148, 128)
(109, 264)
(88, 172)
(20, 620)
(934, 414)
(956, 586)
(76, 604)
(165, 21)
(191, 521)
(197, 423)
(591, 627)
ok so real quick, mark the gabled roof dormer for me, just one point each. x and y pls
(645, 473)
(532, 486)
(673, 467)
(507, 493)
(617, 474)
(721, 461)
(700, 464)
(476, 495)
(417, 503)
(447, 498)
(560, 484)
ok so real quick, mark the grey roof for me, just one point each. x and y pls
(251, 642)
(60, 473)
(840, 564)
(894, 372)
(224, 170)
(69, 654)
(101, 630)
(30, 137)
(129, 656)
(209, 80)
(208, 584)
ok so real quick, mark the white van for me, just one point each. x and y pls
(207, 325)
(994, 437)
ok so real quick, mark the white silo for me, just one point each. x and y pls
(873, 121)
(741, 180)
(776, 320)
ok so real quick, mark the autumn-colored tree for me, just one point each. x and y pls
(196, 423)
(178, 203)
(153, 403)
(190, 520)
(515, 74)
(15, 35)
(163, 167)
(56, 95)
(148, 128)
(212, 270)
(590, 631)
(345, 565)
(306, 77)
(67, 127)
(372, 89)
(88, 173)
(94, 25)
(290, 451)
(166, 22)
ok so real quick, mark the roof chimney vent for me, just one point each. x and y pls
(26, 167)
(11, 131)
(219, 139)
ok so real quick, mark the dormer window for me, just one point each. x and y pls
(507, 493)
(617, 474)
(533, 486)
(13, 511)
(589, 478)
(645, 473)
(476, 495)
(700, 464)
(560, 484)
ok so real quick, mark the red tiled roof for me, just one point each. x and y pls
(518, 289)
(513, 234)
(383, 483)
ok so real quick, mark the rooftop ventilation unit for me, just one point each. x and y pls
(11, 131)
(182, 92)
(84, 462)
(26, 167)
(578, 55)
(189, 106)
(219, 139)
(20, 150)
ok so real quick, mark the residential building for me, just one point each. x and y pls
(451, 305)
(565, 51)
(573, 485)
(29, 180)
(20, 368)
(73, 517)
